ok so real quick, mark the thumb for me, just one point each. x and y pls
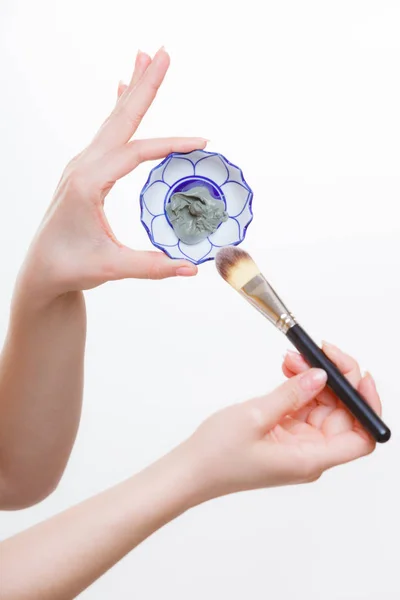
(149, 265)
(289, 397)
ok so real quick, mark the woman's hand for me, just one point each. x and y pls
(41, 365)
(290, 436)
(75, 248)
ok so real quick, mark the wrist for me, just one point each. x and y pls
(36, 291)
(192, 474)
(30, 305)
(149, 500)
(178, 479)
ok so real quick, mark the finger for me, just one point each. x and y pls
(355, 442)
(287, 372)
(123, 160)
(289, 398)
(315, 412)
(127, 264)
(127, 115)
(318, 415)
(295, 363)
(142, 62)
(121, 88)
(345, 363)
(329, 418)
(368, 391)
(339, 421)
(344, 448)
(295, 426)
(281, 435)
(303, 413)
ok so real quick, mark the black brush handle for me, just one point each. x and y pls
(339, 384)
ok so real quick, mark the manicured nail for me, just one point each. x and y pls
(370, 378)
(158, 55)
(185, 271)
(294, 356)
(313, 379)
(329, 346)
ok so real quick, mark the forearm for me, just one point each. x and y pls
(41, 385)
(61, 557)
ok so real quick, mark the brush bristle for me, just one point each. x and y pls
(236, 266)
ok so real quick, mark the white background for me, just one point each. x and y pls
(304, 96)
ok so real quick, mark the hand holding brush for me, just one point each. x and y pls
(240, 271)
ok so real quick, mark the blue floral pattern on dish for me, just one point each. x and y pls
(181, 172)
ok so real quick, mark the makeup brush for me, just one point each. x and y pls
(240, 271)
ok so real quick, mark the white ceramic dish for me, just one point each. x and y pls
(181, 172)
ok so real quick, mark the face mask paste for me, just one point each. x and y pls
(195, 214)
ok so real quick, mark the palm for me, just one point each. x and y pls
(75, 242)
(324, 426)
(319, 420)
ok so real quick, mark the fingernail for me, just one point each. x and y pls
(185, 271)
(370, 378)
(138, 55)
(159, 53)
(329, 346)
(293, 354)
(313, 379)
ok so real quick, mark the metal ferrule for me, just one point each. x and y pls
(263, 297)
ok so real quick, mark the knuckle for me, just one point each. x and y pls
(293, 397)
(133, 118)
(313, 477)
(152, 85)
(78, 180)
(73, 162)
(308, 467)
(77, 162)
(139, 154)
(253, 416)
(156, 271)
(309, 471)
(108, 271)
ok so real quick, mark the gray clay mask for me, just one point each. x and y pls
(195, 214)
